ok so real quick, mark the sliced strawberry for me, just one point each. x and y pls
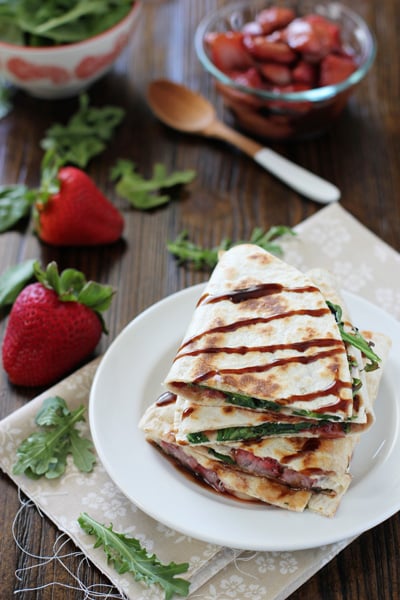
(287, 106)
(304, 72)
(227, 52)
(335, 69)
(252, 28)
(274, 18)
(263, 49)
(328, 32)
(276, 73)
(313, 36)
(238, 98)
(249, 78)
(274, 128)
(276, 36)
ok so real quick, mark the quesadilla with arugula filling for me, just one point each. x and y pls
(294, 473)
(271, 387)
(267, 353)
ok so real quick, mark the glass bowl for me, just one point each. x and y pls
(281, 80)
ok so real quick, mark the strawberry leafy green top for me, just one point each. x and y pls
(71, 286)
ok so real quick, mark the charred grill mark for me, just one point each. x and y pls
(332, 390)
(309, 446)
(302, 359)
(297, 346)
(318, 312)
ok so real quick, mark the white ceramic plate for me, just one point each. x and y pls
(129, 379)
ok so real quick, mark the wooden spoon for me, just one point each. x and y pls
(185, 110)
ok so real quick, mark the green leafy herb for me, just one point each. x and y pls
(45, 452)
(355, 338)
(251, 402)
(146, 194)
(225, 458)
(128, 556)
(71, 286)
(14, 280)
(76, 143)
(201, 258)
(245, 401)
(188, 252)
(199, 437)
(235, 434)
(312, 414)
(15, 203)
(356, 385)
(38, 23)
(85, 135)
(5, 95)
(265, 429)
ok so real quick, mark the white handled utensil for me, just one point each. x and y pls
(185, 110)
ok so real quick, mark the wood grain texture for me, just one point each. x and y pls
(230, 196)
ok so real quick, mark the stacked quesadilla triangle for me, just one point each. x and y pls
(264, 356)
(266, 399)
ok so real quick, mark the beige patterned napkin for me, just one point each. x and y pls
(333, 239)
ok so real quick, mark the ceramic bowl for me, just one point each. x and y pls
(66, 70)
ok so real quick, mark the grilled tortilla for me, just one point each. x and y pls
(263, 355)
(292, 473)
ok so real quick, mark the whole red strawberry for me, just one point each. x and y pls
(72, 211)
(53, 326)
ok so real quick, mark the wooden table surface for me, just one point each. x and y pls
(230, 196)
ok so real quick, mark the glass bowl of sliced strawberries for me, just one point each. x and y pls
(285, 69)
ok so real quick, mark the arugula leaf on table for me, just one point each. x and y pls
(355, 338)
(85, 135)
(186, 251)
(45, 451)
(127, 555)
(15, 203)
(265, 239)
(13, 280)
(146, 194)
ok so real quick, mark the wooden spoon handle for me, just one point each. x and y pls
(218, 129)
(303, 181)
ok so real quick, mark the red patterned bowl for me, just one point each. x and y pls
(66, 70)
